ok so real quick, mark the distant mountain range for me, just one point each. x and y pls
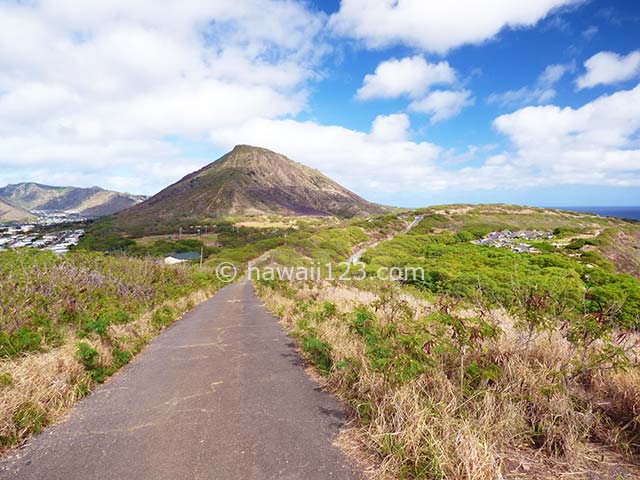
(250, 181)
(246, 181)
(88, 202)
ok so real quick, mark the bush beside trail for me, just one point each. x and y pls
(67, 323)
(452, 390)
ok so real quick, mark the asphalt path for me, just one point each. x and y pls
(221, 394)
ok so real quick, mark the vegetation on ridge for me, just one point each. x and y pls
(89, 202)
(495, 361)
(68, 322)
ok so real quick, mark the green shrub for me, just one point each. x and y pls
(87, 355)
(6, 380)
(162, 317)
(100, 324)
(121, 357)
(329, 309)
(22, 340)
(318, 352)
(97, 325)
(578, 243)
(89, 358)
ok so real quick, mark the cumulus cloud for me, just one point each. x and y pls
(389, 128)
(593, 144)
(98, 93)
(435, 26)
(383, 159)
(606, 68)
(413, 77)
(410, 76)
(443, 104)
(542, 92)
(89, 85)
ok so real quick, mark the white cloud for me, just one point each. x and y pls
(594, 144)
(107, 93)
(365, 162)
(590, 32)
(606, 68)
(435, 26)
(542, 92)
(414, 76)
(443, 104)
(408, 76)
(108, 84)
(389, 128)
(553, 73)
(608, 121)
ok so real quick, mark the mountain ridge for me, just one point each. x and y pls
(87, 201)
(13, 213)
(251, 181)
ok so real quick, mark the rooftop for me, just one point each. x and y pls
(185, 256)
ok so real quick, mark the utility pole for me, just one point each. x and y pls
(201, 255)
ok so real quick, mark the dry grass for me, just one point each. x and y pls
(621, 246)
(531, 422)
(42, 388)
(37, 389)
(267, 223)
(209, 239)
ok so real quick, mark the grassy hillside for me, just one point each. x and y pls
(621, 246)
(93, 201)
(501, 216)
(68, 322)
(13, 213)
(492, 360)
(496, 364)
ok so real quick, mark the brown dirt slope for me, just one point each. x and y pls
(621, 246)
(251, 181)
(12, 213)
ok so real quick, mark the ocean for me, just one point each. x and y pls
(620, 212)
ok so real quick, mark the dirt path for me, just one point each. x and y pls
(222, 394)
(357, 255)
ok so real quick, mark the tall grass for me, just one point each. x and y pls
(442, 391)
(69, 322)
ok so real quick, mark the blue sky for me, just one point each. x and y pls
(408, 103)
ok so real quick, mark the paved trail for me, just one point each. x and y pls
(222, 394)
